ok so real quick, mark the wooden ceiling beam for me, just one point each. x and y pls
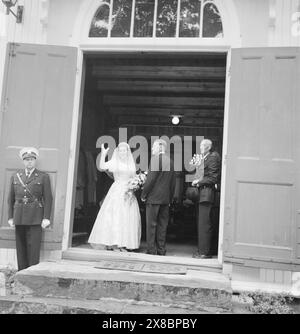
(161, 86)
(167, 118)
(184, 102)
(120, 58)
(171, 72)
(144, 130)
(184, 122)
(166, 112)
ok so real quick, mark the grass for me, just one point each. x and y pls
(266, 303)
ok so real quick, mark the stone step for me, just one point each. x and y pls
(15, 304)
(83, 281)
(83, 254)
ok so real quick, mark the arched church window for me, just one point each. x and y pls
(121, 18)
(190, 11)
(143, 18)
(157, 18)
(212, 22)
(100, 22)
(166, 18)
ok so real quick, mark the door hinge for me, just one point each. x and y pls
(5, 105)
(12, 50)
(228, 257)
(229, 72)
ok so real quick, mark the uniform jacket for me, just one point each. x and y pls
(212, 174)
(160, 183)
(24, 208)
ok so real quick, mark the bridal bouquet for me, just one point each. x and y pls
(135, 184)
(198, 163)
(196, 160)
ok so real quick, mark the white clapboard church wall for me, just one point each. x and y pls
(30, 44)
(262, 23)
(55, 21)
(284, 23)
(3, 40)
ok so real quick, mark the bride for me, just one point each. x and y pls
(118, 224)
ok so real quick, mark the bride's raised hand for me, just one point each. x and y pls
(104, 150)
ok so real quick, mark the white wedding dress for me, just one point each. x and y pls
(118, 221)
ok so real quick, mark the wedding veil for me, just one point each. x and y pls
(116, 161)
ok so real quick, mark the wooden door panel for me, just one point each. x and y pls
(39, 94)
(262, 172)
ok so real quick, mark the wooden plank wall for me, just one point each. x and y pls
(34, 26)
(282, 36)
(281, 12)
(143, 92)
(3, 40)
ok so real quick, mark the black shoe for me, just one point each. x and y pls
(206, 256)
(150, 253)
(161, 254)
(197, 255)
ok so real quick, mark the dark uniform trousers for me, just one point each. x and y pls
(28, 244)
(157, 217)
(207, 229)
(28, 206)
(208, 207)
(159, 191)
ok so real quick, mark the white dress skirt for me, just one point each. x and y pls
(118, 221)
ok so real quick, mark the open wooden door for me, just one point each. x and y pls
(262, 192)
(36, 110)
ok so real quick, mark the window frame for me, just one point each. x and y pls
(91, 39)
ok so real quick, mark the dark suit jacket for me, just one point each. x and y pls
(160, 184)
(212, 174)
(33, 212)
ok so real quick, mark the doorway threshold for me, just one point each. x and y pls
(94, 255)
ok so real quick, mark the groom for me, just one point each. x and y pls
(158, 193)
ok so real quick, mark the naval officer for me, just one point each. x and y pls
(207, 224)
(29, 208)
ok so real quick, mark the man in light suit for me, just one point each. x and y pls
(29, 208)
(207, 192)
(158, 193)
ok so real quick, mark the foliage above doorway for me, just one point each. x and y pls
(157, 18)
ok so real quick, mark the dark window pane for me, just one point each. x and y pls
(189, 18)
(143, 22)
(166, 18)
(121, 18)
(99, 26)
(212, 22)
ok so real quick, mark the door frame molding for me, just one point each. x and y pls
(76, 127)
(88, 8)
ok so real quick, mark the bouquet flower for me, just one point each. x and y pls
(196, 160)
(135, 184)
(198, 163)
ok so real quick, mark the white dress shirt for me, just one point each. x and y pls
(28, 173)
